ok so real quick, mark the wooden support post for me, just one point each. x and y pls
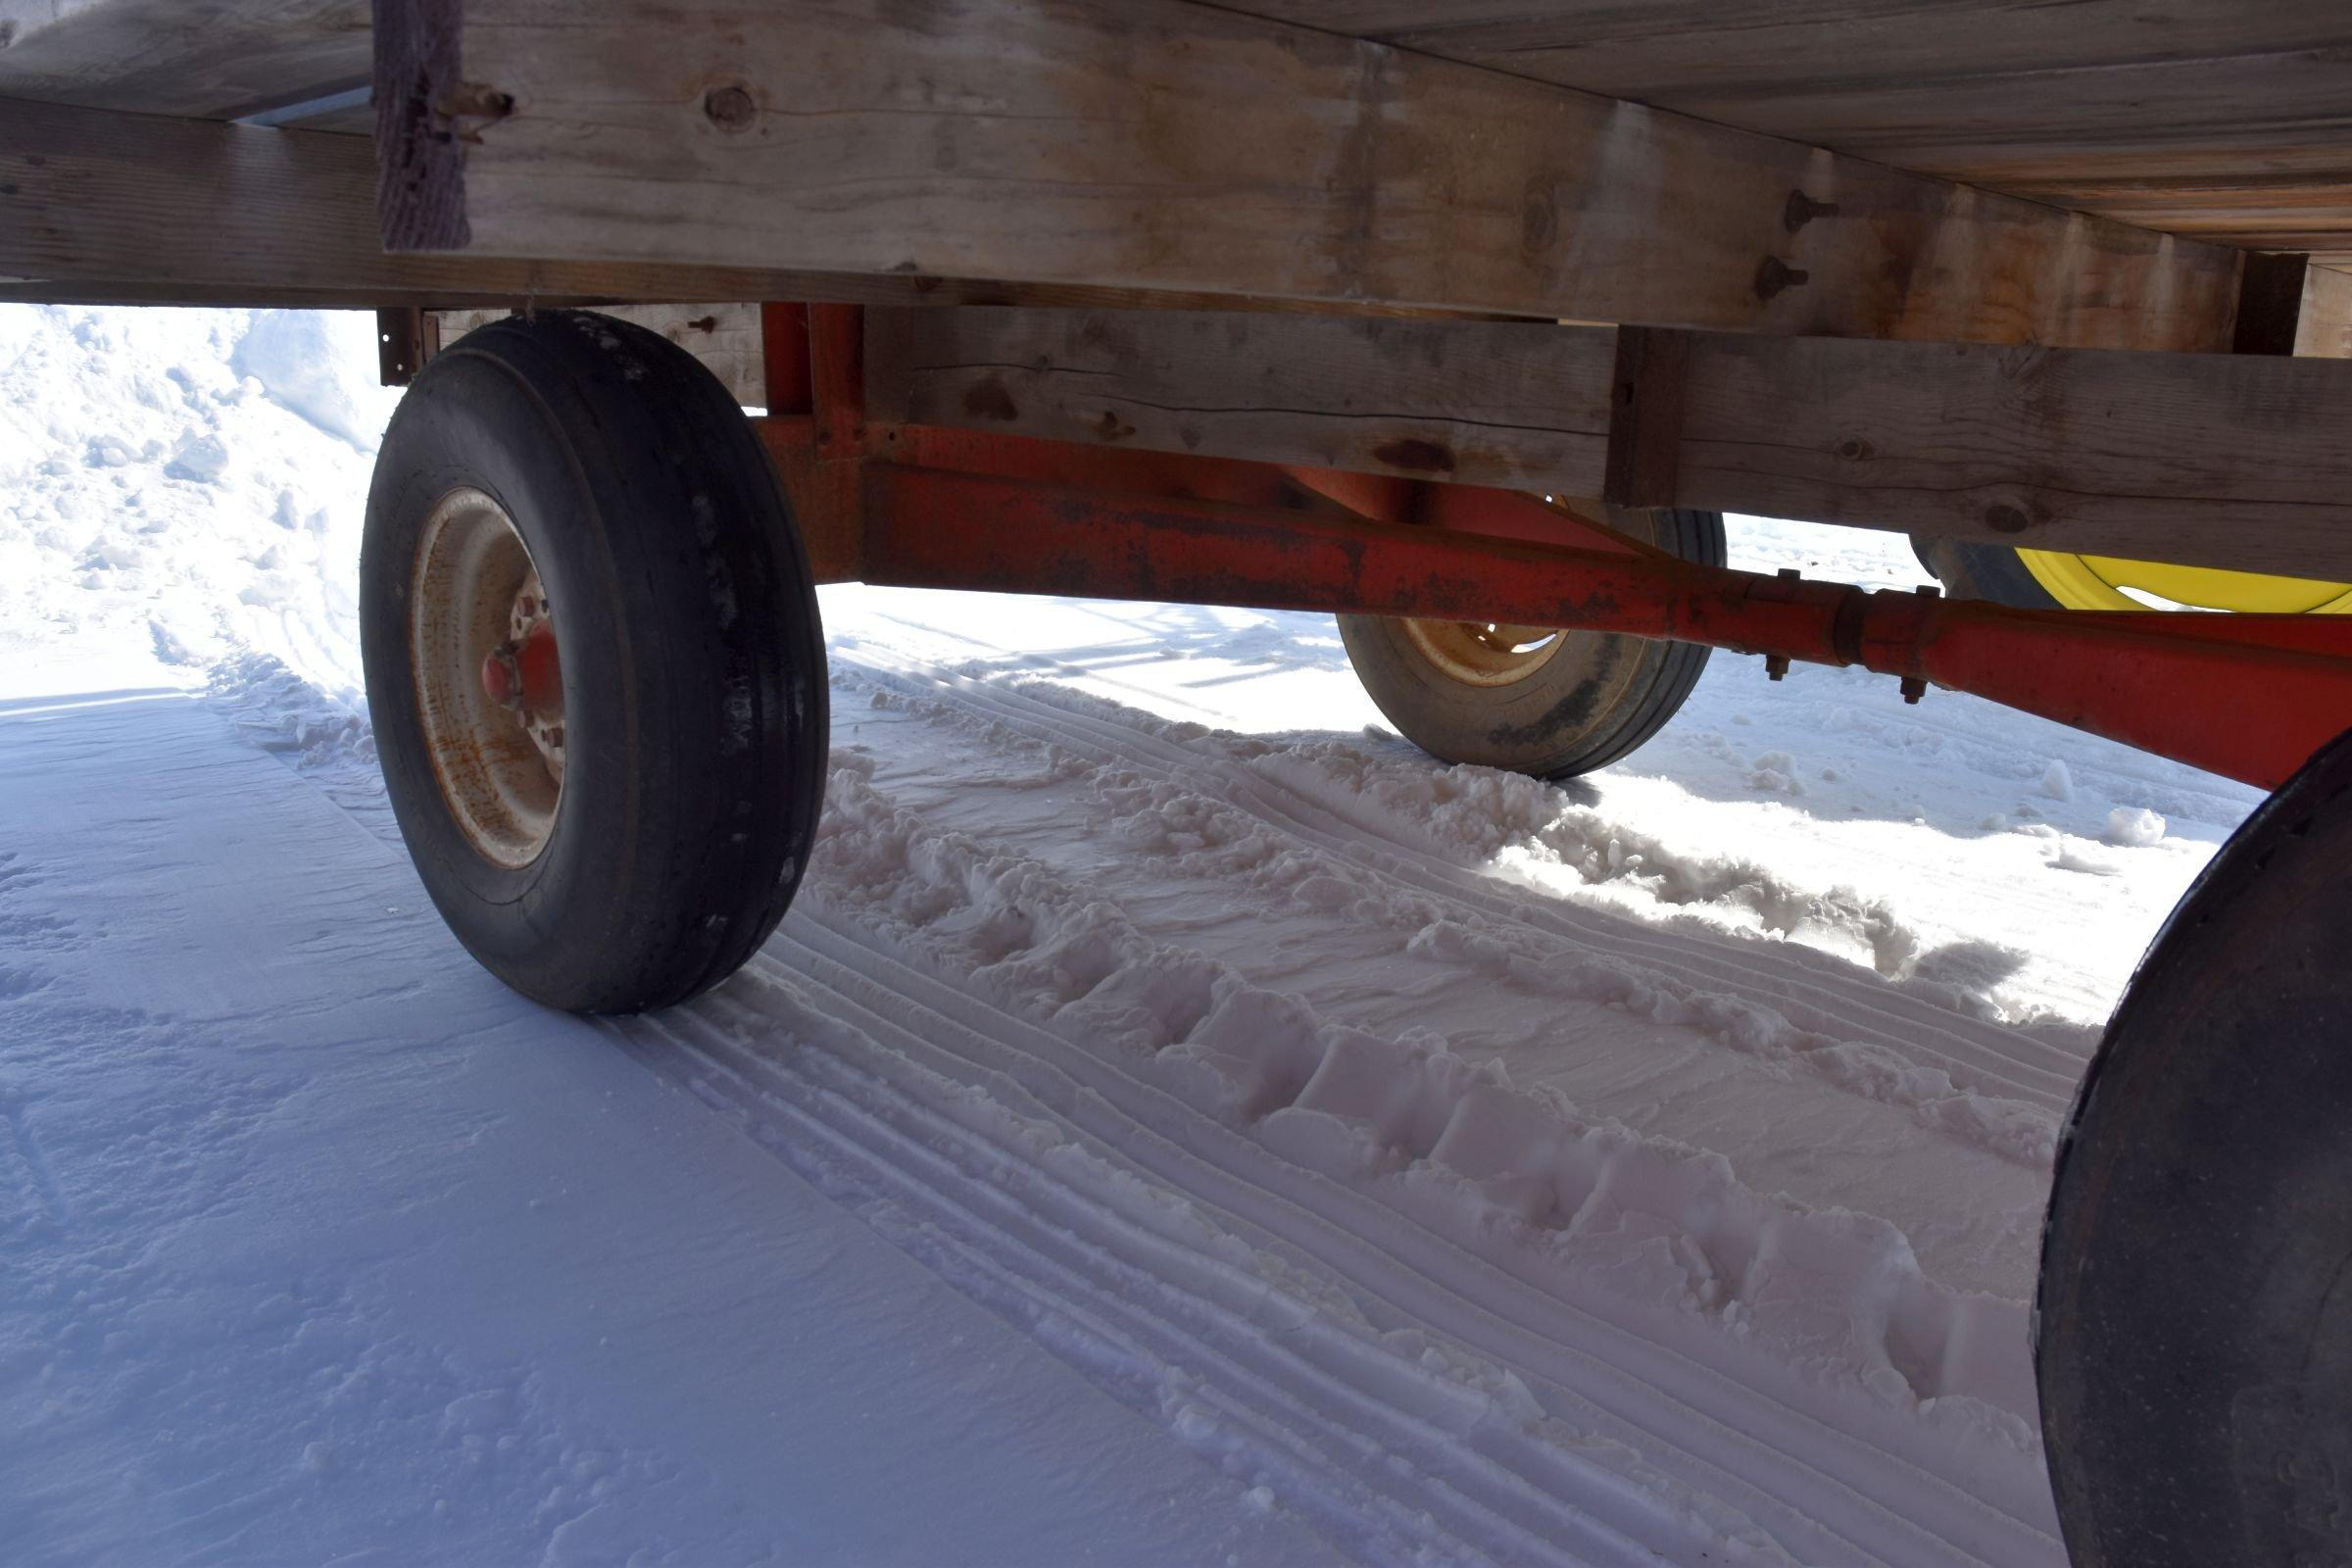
(1162, 144)
(1646, 417)
(2324, 329)
(2238, 461)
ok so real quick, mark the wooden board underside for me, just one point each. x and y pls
(725, 338)
(253, 216)
(2220, 120)
(2225, 119)
(1168, 145)
(2209, 460)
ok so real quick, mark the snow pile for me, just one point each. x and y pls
(2134, 828)
(181, 487)
(306, 362)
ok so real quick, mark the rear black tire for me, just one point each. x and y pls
(2193, 1333)
(692, 664)
(1990, 572)
(1595, 701)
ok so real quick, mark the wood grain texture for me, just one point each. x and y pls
(1486, 403)
(725, 338)
(100, 207)
(2191, 116)
(2207, 459)
(2194, 116)
(1166, 145)
(2325, 329)
(206, 59)
(2213, 460)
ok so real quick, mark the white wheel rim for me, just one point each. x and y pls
(475, 599)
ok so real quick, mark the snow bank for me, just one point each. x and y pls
(171, 496)
(309, 362)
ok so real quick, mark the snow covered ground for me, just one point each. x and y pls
(1179, 1123)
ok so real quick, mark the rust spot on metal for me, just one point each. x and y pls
(988, 400)
(1416, 454)
(1774, 276)
(1803, 209)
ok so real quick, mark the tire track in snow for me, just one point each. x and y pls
(1747, 1413)
(1369, 1444)
(1999, 1088)
(1335, 814)
(750, 1055)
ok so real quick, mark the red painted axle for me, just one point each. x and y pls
(2251, 697)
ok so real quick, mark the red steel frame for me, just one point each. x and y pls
(2247, 696)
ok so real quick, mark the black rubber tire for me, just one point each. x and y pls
(1990, 572)
(693, 662)
(1592, 703)
(2193, 1331)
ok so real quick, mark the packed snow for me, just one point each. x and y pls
(1180, 1122)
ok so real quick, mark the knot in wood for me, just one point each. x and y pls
(730, 108)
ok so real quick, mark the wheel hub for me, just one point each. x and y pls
(489, 677)
(1484, 653)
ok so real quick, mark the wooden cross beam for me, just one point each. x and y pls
(1164, 144)
(98, 206)
(2211, 459)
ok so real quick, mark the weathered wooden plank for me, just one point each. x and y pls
(99, 207)
(724, 337)
(1170, 145)
(2208, 459)
(2213, 460)
(149, 208)
(2182, 115)
(1488, 403)
(205, 59)
(2325, 329)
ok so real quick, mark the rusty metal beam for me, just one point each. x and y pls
(2251, 699)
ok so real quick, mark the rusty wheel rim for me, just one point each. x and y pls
(1484, 653)
(489, 687)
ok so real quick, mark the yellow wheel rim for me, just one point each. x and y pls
(2097, 582)
(1484, 653)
